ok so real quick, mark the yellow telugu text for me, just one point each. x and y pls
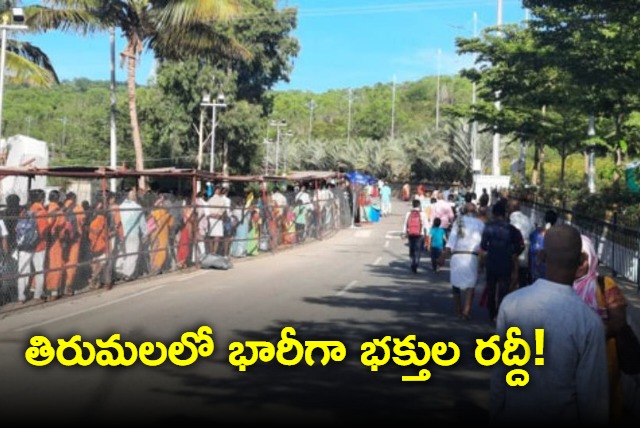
(288, 351)
(112, 353)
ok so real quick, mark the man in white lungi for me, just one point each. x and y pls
(219, 207)
(134, 226)
(463, 245)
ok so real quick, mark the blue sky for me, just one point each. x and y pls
(344, 43)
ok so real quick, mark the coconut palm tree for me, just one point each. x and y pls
(181, 27)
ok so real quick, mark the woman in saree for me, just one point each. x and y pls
(239, 244)
(159, 225)
(253, 233)
(288, 226)
(184, 239)
(604, 297)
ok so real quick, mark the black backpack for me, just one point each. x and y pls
(27, 234)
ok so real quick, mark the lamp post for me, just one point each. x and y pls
(267, 143)
(349, 116)
(9, 22)
(495, 159)
(288, 136)
(219, 102)
(438, 92)
(277, 125)
(591, 170)
(312, 105)
(393, 108)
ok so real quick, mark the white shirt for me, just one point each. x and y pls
(279, 199)
(472, 228)
(218, 205)
(3, 229)
(303, 197)
(525, 226)
(572, 387)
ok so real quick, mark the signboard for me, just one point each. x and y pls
(631, 176)
(490, 182)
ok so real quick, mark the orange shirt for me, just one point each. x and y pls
(80, 216)
(43, 224)
(98, 234)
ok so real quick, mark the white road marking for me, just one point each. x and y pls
(187, 278)
(393, 234)
(113, 302)
(349, 285)
(386, 244)
(378, 260)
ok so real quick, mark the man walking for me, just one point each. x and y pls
(385, 199)
(571, 386)
(525, 226)
(415, 229)
(502, 243)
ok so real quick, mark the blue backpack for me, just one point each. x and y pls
(27, 235)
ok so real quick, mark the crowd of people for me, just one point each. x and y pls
(52, 245)
(533, 277)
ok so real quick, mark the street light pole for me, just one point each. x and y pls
(206, 102)
(267, 143)
(17, 15)
(286, 147)
(591, 173)
(495, 164)
(393, 107)
(311, 104)
(438, 92)
(349, 119)
(277, 125)
(113, 153)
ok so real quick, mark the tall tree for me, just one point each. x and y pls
(598, 42)
(143, 23)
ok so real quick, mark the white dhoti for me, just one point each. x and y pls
(464, 270)
(128, 255)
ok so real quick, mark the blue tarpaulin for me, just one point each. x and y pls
(356, 177)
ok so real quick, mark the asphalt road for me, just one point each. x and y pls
(352, 288)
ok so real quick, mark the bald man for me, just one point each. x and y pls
(572, 384)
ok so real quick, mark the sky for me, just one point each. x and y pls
(343, 43)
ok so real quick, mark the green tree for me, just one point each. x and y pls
(607, 79)
(144, 23)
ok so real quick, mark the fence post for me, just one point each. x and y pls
(193, 218)
(614, 236)
(108, 268)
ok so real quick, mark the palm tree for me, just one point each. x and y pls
(145, 24)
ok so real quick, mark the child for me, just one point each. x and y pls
(435, 242)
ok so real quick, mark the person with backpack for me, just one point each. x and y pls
(31, 230)
(74, 223)
(415, 230)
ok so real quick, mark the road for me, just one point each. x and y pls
(352, 288)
